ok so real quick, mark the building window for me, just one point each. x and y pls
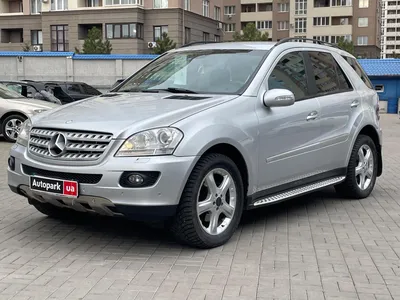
(188, 34)
(59, 4)
(118, 2)
(36, 37)
(206, 36)
(206, 8)
(362, 22)
(322, 38)
(335, 39)
(362, 41)
(217, 38)
(187, 4)
(160, 3)
(36, 6)
(217, 13)
(321, 21)
(264, 24)
(59, 38)
(363, 3)
(158, 32)
(300, 25)
(229, 10)
(124, 31)
(229, 27)
(300, 7)
(342, 3)
(283, 7)
(379, 88)
(283, 25)
(94, 3)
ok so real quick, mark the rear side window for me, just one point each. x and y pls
(90, 90)
(329, 77)
(360, 72)
(289, 73)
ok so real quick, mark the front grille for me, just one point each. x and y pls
(79, 177)
(80, 146)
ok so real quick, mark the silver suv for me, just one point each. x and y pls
(204, 132)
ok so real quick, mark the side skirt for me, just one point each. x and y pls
(295, 189)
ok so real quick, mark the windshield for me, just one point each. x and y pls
(197, 71)
(6, 93)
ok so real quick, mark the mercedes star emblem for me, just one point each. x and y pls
(57, 144)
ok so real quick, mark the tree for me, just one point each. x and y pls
(94, 43)
(346, 45)
(250, 33)
(26, 47)
(164, 44)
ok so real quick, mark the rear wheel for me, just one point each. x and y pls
(211, 204)
(361, 171)
(11, 127)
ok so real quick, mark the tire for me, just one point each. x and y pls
(351, 187)
(190, 227)
(52, 210)
(9, 127)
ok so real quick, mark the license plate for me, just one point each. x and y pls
(53, 186)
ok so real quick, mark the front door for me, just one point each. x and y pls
(288, 136)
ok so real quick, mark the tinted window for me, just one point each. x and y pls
(324, 72)
(87, 89)
(74, 88)
(290, 74)
(360, 72)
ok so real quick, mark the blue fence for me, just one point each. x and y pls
(73, 55)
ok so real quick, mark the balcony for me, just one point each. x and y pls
(89, 3)
(330, 30)
(256, 16)
(14, 35)
(11, 7)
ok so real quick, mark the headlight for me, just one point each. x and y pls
(23, 135)
(38, 111)
(159, 141)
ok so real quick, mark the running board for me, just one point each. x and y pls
(299, 191)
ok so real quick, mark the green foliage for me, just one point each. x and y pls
(250, 33)
(94, 43)
(346, 45)
(164, 44)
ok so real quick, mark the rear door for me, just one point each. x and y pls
(339, 103)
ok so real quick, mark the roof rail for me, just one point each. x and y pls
(296, 39)
(197, 43)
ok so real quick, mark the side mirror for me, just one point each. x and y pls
(278, 97)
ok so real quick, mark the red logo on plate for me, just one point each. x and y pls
(70, 188)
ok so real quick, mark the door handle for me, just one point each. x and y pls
(355, 103)
(312, 116)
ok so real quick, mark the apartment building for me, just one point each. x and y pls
(390, 44)
(326, 20)
(130, 25)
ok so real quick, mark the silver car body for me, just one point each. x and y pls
(276, 146)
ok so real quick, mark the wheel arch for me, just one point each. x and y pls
(11, 113)
(371, 131)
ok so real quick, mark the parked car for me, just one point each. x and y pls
(31, 90)
(75, 90)
(15, 109)
(203, 133)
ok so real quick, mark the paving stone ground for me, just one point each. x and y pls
(315, 247)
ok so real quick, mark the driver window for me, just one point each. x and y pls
(289, 73)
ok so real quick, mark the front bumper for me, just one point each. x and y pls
(107, 196)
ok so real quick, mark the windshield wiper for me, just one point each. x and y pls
(137, 91)
(176, 90)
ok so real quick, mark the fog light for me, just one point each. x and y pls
(135, 179)
(11, 163)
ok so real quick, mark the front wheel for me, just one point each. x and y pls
(11, 127)
(211, 204)
(361, 171)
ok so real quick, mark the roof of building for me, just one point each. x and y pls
(381, 67)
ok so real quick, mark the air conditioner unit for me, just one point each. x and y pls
(219, 25)
(151, 45)
(230, 16)
(37, 48)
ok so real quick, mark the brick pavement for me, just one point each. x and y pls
(315, 247)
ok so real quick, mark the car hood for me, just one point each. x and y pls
(33, 103)
(126, 113)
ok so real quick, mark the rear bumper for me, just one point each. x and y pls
(107, 196)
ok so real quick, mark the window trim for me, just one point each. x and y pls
(154, 4)
(226, 8)
(38, 5)
(285, 5)
(205, 8)
(124, 38)
(36, 32)
(161, 31)
(57, 43)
